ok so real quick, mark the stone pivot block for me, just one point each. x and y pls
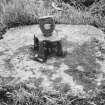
(47, 25)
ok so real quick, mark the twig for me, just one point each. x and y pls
(51, 100)
(73, 100)
(92, 103)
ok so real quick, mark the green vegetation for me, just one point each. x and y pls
(26, 12)
(22, 94)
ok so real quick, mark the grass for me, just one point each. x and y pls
(22, 94)
(26, 12)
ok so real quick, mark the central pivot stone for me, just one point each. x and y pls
(47, 25)
(47, 48)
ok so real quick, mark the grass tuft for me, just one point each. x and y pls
(26, 12)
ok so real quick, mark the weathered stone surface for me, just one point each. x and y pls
(81, 70)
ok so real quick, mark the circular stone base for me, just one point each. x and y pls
(81, 72)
